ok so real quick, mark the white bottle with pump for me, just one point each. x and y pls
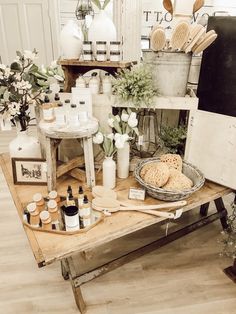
(94, 84)
(107, 84)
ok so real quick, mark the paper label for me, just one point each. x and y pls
(137, 194)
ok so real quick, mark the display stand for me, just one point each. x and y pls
(53, 138)
(73, 67)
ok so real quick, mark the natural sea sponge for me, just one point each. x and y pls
(177, 181)
(157, 175)
(173, 161)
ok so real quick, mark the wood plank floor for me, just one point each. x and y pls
(183, 277)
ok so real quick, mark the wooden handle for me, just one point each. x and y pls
(198, 5)
(159, 206)
(167, 4)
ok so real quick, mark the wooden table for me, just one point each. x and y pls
(79, 253)
(73, 67)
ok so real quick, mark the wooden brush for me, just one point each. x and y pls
(205, 43)
(197, 34)
(158, 40)
(155, 27)
(179, 36)
(204, 37)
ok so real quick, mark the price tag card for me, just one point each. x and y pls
(137, 194)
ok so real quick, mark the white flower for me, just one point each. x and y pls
(132, 122)
(125, 137)
(124, 117)
(98, 138)
(22, 85)
(119, 143)
(117, 117)
(7, 72)
(111, 122)
(14, 108)
(59, 78)
(2, 67)
(110, 136)
(29, 55)
(53, 64)
(17, 76)
(1, 76)
(133, 116)
(117, 136)
(43, 69)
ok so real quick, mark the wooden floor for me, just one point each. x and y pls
(183, 277)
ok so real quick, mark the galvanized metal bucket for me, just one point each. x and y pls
(170, 71)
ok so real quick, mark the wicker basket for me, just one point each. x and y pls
(168, 195)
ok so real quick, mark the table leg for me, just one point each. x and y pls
(231, 272)
(75, 286)
(64, 270)
(89, 161)
(51, 147)
(220, 208)
(204, 209)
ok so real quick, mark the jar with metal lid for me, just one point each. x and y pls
(115, 56)
(48, 110)
(39, 200)
(101, 55)
(88, 55)
(115, 45)
(34, 214)
(101, 45)
(71, 218)
(46, 220)
(87, 45)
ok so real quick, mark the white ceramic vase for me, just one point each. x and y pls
(109, 173)
(71, 39)
(123, 161)
(102, 28)
(24, 146)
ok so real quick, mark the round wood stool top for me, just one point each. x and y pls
(51, 130)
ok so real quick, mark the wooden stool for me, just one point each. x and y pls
(54, 137)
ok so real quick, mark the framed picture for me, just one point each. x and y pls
(29, 171)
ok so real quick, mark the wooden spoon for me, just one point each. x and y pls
(198, 5)
(168, 6)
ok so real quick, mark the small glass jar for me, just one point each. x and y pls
(46, 220)
(60, 115)
(53, 195)
(54, 213)
(73, 118)
(88, 55)
(39, 201)
(87, 45)
(115, 56)
(34, 215)
(115, 45)
(48, 110)
(80, 82)
(101, 45)
(101, 55)
(71, 218)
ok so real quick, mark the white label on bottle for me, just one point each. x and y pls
(85, 211)
(72, 222)
(83, 116)
(80, 202)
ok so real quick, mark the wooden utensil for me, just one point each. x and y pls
(205, 43)
(167, 4)
(111, 205)
(101, 191)
(158, 40)
(198, 31)
(198, 5)
(179, 36)
(155, 27)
